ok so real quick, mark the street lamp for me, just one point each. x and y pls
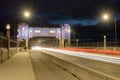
(61, 41)
(77, 42)
(17, 43)
(105, 41)
(27, 14)
(7, 26)
(8, 39)
(115, 33)
(105, 18)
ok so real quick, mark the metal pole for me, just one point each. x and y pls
(105, 41)
(77, 42)
(28, 37)
(74, 36)
(17, 43)
(61, 38)
(115, 34)
(1, 41)
(18, 46)
(8, 41)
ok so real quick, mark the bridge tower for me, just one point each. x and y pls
(65, 35)
(61, 32)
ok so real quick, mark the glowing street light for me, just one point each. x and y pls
(18, 43)
(105, 17)
(7, 26)
(27, 14)
(8, 39)
(77, 42)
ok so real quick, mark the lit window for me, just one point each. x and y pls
(52, 31)
(37, 31)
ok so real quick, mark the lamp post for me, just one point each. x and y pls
(115, 33)
(61, 42)
(1, 41)
(8, 39)
(105, 41)
(27, 14)
(77, 42)
(17, 43)
(105, 17)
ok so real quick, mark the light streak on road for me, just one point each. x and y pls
(88, 55)
(36, 48)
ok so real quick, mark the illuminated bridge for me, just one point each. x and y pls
(45, 36)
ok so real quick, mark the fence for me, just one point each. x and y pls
(3, 42)
(4, 55)
(109, 44)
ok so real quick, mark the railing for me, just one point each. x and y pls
(3, 42)
(4, 55)
(98, 45)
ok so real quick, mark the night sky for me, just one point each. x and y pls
(83, 12)
(73, 12)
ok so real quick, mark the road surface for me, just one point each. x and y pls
(46, 70)
(106, 64)
(19, 67)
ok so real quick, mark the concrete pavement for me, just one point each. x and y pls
(44, 69)
(18, 67)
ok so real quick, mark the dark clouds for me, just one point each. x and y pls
(58, 11)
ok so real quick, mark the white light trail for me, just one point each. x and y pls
(88, 55)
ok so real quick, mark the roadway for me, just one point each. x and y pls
(44, 69)
(38, 66)
(109, 65)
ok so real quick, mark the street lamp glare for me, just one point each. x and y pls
(7, 26)
(27, 14)
(105, 16)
